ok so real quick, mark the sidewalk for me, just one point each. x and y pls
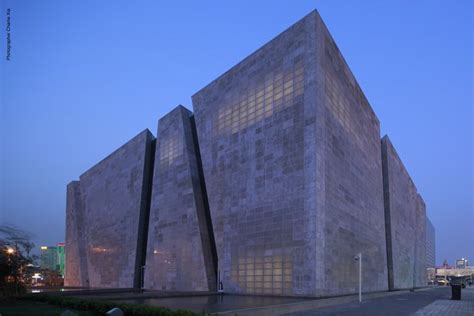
(311, 307)
(464, 307)
(432, 302)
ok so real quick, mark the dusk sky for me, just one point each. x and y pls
(86, 76)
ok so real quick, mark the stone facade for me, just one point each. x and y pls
(75, 251)
(272, 187)
(421, 272)
(107, 218)
(430, 244)
(349, 177)
(291, 158)
(181, 254)
(405, 223)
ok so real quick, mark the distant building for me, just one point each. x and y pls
(61, 262)
(52, 258)
(430, 244)
(461, 263)
(48, 257)
(461, 268)
(468, 271)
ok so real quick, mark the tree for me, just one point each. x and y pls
(15, 248)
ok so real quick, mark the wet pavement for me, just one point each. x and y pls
(213, 303)
(423, 302)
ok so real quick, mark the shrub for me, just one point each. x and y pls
(101, 307)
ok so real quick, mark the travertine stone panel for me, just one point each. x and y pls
(405, 222)
(430, 244)
(353, 193)
(114, 199)
(75, 250)
(421, 266)
(286, 184)
(180, 249)
(353, 184)
(291, 157)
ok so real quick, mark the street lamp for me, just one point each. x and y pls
(10, 251)
(358, 257)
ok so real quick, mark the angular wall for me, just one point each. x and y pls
(291, 158)
(75, 250)
(181, 254)
(287, 183)
(349, 176)
(421, 274)
(405, 217)
(114, 197)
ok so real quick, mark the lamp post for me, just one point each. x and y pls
(358, 257)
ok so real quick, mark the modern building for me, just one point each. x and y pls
(272, 186)
(52, 258)
(462, 263)
(461, 268)
(430, 244)
(291, 159)
(61, 262)
(48, 258)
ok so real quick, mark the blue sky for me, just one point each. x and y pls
(86, 76)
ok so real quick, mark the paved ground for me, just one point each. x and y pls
(420, 303)
(214, 303)
(426, 302)
(449, 307)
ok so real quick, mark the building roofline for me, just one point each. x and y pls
(313, 12)
(145, 131)
(387, 139)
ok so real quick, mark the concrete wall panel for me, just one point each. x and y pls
(287, 183)
(75, 250)
(112, 230)
(353, 185)
(421, 266)
(405, 221)
(181, 255)
(294, 177)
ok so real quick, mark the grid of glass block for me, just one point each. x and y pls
(336, 97)
(337, 93)
(276, 92)
(263, 274)
(170, 148)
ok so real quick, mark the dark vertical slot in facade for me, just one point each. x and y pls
(388, 224)
(202, 183)
(145, 203)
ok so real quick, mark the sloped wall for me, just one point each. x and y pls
(181, 254)
(108, 209)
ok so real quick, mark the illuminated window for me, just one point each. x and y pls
(277, 91)
(170, 149)
(263, 274)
